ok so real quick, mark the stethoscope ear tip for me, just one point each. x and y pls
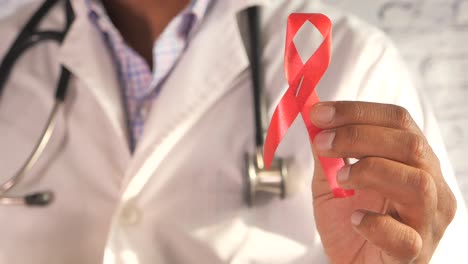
(39, 199)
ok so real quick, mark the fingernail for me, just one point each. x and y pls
(356, 217)
(322, 114)
(343, 174)
(324, 140)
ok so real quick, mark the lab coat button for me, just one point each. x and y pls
(130, 215)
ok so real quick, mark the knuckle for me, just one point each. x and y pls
(363, 171)
(402, 243)
(438, 231)
(417, 147)
(445, 215)
(422, 182)
(410, 244)
(359, 112)
(414, 245)
(352, 135)
(402, 117)
(450, 207)
(407, 244)
(374, 226)
(369, 165)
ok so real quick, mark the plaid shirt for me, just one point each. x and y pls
(139, 85)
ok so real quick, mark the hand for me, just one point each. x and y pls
(402, 204)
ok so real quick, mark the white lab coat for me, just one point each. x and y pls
(178, 199)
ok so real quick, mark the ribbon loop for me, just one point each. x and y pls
(303, 77)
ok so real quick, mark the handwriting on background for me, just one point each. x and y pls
(433, 38)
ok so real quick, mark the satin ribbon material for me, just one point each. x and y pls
(300, 96)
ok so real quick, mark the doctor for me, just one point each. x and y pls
(146, 160)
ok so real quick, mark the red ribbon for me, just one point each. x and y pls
(306, 76)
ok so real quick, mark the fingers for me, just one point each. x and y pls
(396, 162)
(412, 189)
(358, 141)
(403, 184)
(335, 114)
(397, 240)
(388, 126)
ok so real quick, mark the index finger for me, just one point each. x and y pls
(328, 115)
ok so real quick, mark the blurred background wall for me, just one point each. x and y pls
(433, 38)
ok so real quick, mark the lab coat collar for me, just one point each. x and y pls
(85, 54)
(83, 44)
(188, 93)
(215, 57)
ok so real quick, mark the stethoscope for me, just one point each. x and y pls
(261, 182)
(257, 179)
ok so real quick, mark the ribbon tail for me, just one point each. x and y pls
(330, 166)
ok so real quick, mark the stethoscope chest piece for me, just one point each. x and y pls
(263, 183)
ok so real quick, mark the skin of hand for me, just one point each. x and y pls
(402, 204)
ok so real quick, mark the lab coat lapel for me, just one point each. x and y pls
(85, 54)
(213, 59)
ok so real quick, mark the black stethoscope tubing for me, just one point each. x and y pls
(27, 38)
(254, 34)
(30, 36)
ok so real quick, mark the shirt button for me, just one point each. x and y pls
(130, 214)
(144, 111)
